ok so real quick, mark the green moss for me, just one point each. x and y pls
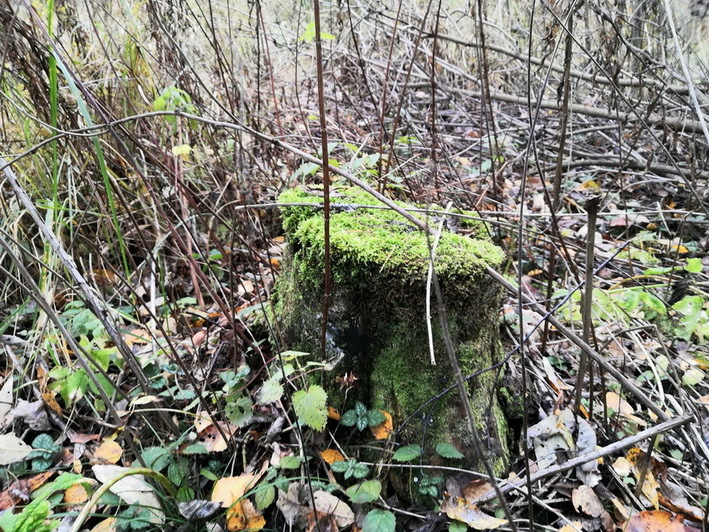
(379, 267)
(383, 237)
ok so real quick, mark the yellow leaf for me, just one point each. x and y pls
(183, 150)
(109, 452)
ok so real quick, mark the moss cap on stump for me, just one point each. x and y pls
(379, 264)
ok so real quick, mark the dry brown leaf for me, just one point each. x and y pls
(585, 500)
(475, 489)
(109, 524)
(460, 509)
(333, 413)
(19, 491)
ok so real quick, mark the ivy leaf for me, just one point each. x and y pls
(407, 453)
(379, 521)
(365, 492)
(311, 407)
(446, 450)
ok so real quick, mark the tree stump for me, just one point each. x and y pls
(377, 323)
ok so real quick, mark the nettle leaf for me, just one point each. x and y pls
(311, 407)
(379, 521)
(407, 453)
(365, 492)
(446, 450)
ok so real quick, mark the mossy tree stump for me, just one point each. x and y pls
(377, 324)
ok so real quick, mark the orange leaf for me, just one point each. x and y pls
(655, 521)
(333, 413)
(76, 494)
(384, 429)
(241, 514)
(331, 456)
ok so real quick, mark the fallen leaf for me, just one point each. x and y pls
(76, 494)
(460, 509)
(655, 521)
(132, 489)
(585, 500)
(19, 491)
(332, 455)
(12, 449)
(241, 514)
(109, 452)
(384, 429)
(5, 398)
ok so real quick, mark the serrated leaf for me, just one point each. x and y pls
(407, 453)
(311, 407)
(446, 450)
(270, 392)
(362, 423)
(349, 418)
(375, 417)
(379, 521)
(359, 471)
(365, 492)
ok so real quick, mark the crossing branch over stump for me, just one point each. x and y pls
(377, 324)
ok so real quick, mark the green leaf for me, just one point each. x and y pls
(379, 521)
(653, 303)
(365, 492)
(349, 418)
(311, 407)
(360, 409)
(692, 377)
(407, 453)
(446, 450)
(375, 417)
(362, 423)
(694, 265)
(341, 466)
(457, 526)
(359, 470)
(239, 411)
(270, 392)
(265, 497)
(290, 462)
